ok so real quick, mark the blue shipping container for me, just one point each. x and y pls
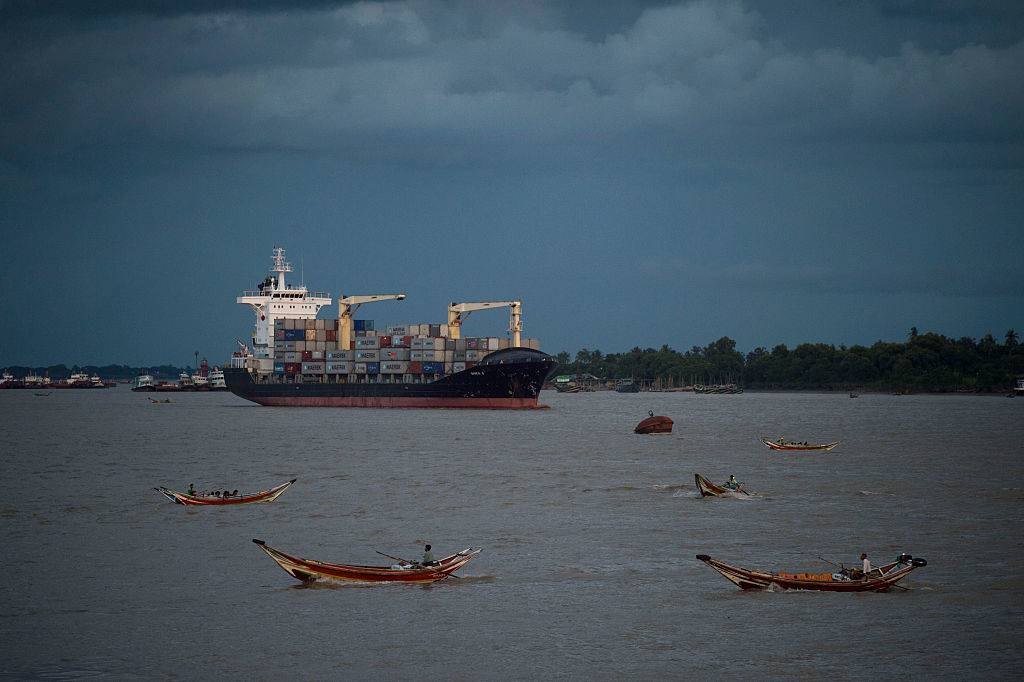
(373, 368)
(294, 334)
(433, 367)
(363, 325)
(278, 368)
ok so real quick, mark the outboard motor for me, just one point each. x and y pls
(904, 558)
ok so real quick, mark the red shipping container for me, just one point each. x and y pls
(385, 341)
(293, 368)
(332, 334)
(416, 367)
(307, 355)
(470, 364)
(279, 334)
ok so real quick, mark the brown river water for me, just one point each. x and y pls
(588, 533)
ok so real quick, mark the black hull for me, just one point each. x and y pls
(507, 379)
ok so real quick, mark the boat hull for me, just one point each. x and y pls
(308, 570)
(261, 497)
(745, 579)
(655, 424)
(823, 447)
(506, 380)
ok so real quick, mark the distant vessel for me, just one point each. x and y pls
(1019, 388)
(718, 388)
(144, 383)
(627, 386)
(299, 360)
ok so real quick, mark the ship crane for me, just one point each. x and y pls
(457, 312)
(348, 305)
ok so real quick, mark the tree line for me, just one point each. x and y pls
(925, 362)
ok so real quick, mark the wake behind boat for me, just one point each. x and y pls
(308, 570)
(216, 500)
(880, 579)
(782, 444)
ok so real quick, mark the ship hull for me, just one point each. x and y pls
(507, 380)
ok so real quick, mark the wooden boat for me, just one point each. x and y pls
(210, 500)
(654, 424)
(775, 445)
(709, 489)
(308, 570)
(880, 579)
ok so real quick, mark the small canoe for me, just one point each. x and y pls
(775, 445)
(209, 500)
(654, 424)
(308, 570)
(880, 579)
(709, 489)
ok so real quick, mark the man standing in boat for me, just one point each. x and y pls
(866, 564)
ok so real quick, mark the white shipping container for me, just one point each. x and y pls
(492, 344)
(397, 354)
(472, 355)
(320, 324)
(360, 368)
(339, 367)
(394, 367)
(416, 355)
(414, 330)
(399, 330)
(318, 355)
(368, 343)
(293, 356)
(312, 368)
(449, 356)
(367, 355)
(340, 355)
(458, 366)
(289, 323)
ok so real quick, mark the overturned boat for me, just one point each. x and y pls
(308, 570)
(654, 424)
(879, 579)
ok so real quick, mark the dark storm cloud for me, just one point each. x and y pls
(340, 76)
(771, 151)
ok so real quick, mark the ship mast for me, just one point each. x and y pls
(281, 266)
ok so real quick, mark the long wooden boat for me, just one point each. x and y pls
(308, 570)
(709, 489)
(775, 445)
(880, 579)
(209, 500)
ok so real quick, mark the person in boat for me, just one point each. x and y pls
(234, 493)
(865, 564)
(428, 557)
(732, 483)
(782, 441)
(191, 490)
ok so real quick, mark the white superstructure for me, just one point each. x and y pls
(274, 300)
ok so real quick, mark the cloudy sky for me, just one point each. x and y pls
(638, 173)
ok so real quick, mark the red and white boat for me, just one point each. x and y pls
(782, 444)
(308, 570)
(213, 500)
(879, 579)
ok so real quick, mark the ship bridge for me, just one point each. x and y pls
(274, 299)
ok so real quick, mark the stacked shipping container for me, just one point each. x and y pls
(308, 350)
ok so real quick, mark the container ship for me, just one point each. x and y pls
(297, 359)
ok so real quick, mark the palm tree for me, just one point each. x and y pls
(1011, 339)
